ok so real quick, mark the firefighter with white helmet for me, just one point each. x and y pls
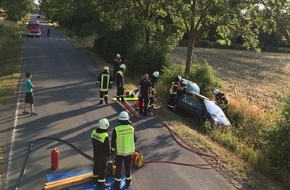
(120, 83)
(123, 145)
(101, 149)
(116, 62)
(104, 82)
(221, 99)
(153, 79)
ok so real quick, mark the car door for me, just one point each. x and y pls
(191, 104)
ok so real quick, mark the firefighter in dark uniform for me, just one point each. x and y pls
(105, 82)
(123, 145)
(120, 83)
(181, 90)
(153, 80)
(221, 99)
(145, 90)
(173, 91)
(101, 149)
(116, 62)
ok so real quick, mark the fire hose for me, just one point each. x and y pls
(30, 148)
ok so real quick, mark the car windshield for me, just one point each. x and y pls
(33, 25)
(212, 108)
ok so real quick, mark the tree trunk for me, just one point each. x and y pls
(191, 42)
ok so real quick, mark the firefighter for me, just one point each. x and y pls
(105, 82)
(116, 62)
(181, 90)
(123, 146)
(173, 91)
(101, 149)
(120, 83)
(145, 90)
(220, 99)
(153, 80)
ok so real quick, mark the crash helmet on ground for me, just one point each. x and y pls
(103, 124)
(156, 74)
(124, 116)
(118, 56)
(123, 66)
(178, 78)
(215, 91)
(183, 82)
(106, 68)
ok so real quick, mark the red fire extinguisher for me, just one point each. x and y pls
(54, 159)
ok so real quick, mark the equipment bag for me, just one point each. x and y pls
(111, 167)
(137, 159)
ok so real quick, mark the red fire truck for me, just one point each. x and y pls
(33, 28)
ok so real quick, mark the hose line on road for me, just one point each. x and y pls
(173, 134)
(30, 147)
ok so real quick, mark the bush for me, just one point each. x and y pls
(277, 149)
(141, 61)
(205, 77)
(201, 73)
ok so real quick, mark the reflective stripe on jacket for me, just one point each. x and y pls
(105, 80)
(99, 136)
(125, 144)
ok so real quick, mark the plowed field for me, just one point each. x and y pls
(259, 78)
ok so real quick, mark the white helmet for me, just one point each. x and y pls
(123, 66)
(106, 68)
(124, 116)
(156, 74)
(118, 56)
(215, 91)
(103, 124)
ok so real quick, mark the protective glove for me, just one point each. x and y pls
(113, 151)
(110, 86)
(97, 84)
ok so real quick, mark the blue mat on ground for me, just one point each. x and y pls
(84, 186)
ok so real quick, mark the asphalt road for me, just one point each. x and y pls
(66, 102)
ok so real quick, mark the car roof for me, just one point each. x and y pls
(34, 21)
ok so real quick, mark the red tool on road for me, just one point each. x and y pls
(125, 105)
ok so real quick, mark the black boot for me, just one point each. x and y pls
(106, 99)
(117, 185)
(101, 102)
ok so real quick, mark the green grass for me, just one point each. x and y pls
(11, 50)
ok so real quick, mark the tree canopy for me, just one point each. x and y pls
(17, 9)
(152, 27)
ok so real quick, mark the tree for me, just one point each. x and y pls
(232, 17)
(153, 31)
(18, 9)
(279, 11)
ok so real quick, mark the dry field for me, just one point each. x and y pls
(259, 78)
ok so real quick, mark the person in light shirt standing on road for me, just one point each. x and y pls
(29, 95)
